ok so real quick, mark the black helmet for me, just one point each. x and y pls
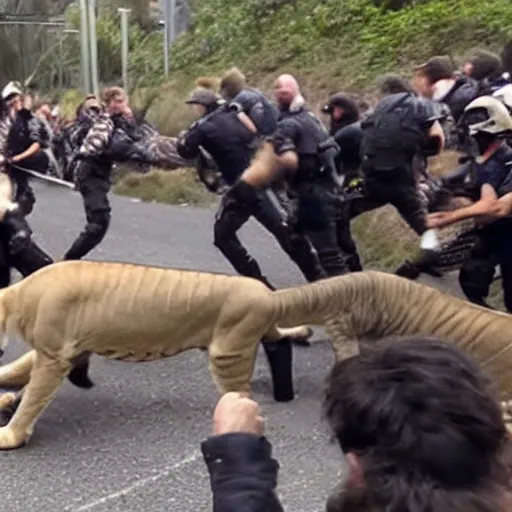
(203, 96)
(340, 100)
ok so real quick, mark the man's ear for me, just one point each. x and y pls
(355, 471)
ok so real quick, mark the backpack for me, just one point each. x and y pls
(392, 134)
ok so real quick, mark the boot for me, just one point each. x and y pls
(279, 355)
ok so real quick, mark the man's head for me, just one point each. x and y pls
(286, 90)
(482, 64)
(341, 109)
(12, 95)
(427, 74)
(115, 100)
(486, 119)
(203, 100)
(89, 104)
(43, 109)
(232, 83)
(392, 83)
(420, 426)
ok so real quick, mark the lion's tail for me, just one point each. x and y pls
(315, 303)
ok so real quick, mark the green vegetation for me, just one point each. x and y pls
(345, 42)
(175, 187)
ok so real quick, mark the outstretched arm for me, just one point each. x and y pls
(243, 474)
(487, 206)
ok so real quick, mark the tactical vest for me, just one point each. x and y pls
(311, 134)
(392, 135)
(268, 123)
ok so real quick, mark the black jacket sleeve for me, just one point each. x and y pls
(188, 146)
(243, 474)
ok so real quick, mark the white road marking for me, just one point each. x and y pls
(140, 483)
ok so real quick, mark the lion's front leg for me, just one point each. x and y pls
(17, 373)
(46, 377)
(231, 365)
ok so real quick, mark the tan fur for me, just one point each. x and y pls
(266, 167)
(129, 313)
(136, 313)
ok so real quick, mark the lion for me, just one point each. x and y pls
(72, 309)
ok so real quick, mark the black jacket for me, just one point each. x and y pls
(224, 137)
(243, 474)
(463, 92)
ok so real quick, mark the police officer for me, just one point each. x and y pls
(345, 128)
(488, 123)
(303, 149)
(23, 146)
(401, 129)
(342, 111)
(248, 103)
(93, 174)
(19, 249)
(229, 143)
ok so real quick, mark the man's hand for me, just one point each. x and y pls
(440, 219)
(237, 414)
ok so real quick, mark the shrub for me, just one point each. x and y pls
(171, 187)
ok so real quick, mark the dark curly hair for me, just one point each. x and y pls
(426, 423)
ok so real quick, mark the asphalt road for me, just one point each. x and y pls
(131, 444)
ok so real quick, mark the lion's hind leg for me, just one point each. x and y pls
(47, 375)
(233, 352)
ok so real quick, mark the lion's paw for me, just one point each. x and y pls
(9, 440)
(6, 400)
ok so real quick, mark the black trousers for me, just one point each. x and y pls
(237, 206)
(18, 250)
(397, 187)
(24, 195)
(477, 273)
(93, 183)
(322, 218)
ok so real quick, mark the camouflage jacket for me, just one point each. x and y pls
(98, 137)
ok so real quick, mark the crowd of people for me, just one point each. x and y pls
(431, 436)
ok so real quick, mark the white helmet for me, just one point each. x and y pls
(11, 89)
(504, 94)
(487, 114)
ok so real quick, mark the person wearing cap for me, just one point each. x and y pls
(93, 173)
(19, 249)
(230, 144)
(342, 111)
(23, 146)
(438, 80)
(345, 128)
(488, 123)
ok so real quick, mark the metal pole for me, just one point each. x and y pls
(166, 37)
(124, 46)
(172, 18)
(84, 48)
(94, 48)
